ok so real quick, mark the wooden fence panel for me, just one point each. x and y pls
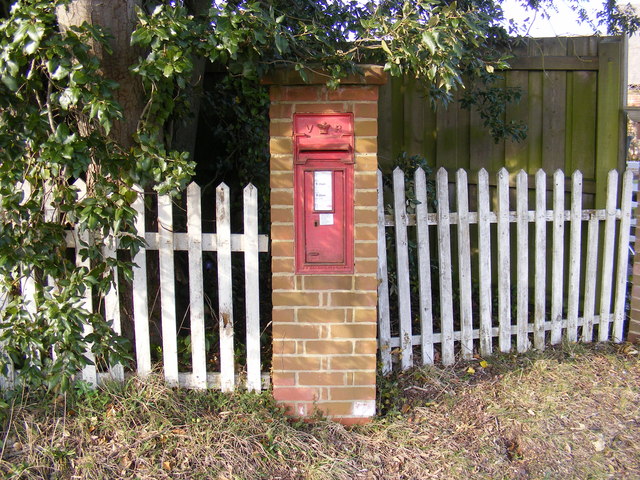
(458, 334)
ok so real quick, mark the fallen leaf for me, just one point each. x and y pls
(166, 465)
(598, 445)
(484, 364)
(471, 370)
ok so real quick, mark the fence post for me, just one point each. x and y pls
(324, 326)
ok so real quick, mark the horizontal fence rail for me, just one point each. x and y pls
(166, 242)
(541, 272)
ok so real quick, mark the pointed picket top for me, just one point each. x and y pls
(503, 172)
(541, 176)
(576, 178)
(461, 175)
(483, 174)
(248, 190)
(193, 189)
(82, 188)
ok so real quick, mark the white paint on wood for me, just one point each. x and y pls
(167, 291)
(623, 257)
(573, 292)
(402, 259)
(424, 268)
(504, 266)
(225, 304)
(82, 241)
(588, 309)
(252, 288)
(464, 264)
(484, 263)
(522, 266)
(540, 261)
(384, 320)
(557, 259)
(140, 295)
(112, 302)
(608, 251)
(444, 260)
(196, 287)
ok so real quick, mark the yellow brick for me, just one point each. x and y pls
(366, 283)
(367, 216)
(281, 129)
(281, 163)
(281, 233)
(328, 282)
(282, 215)
(282, 249)
(364, 378)
(321, 378)
(295, 362)
(285, 145)
(282, 282)
(282, 197)
(321, 315)
(365, 109)
(281, 180)
(348, 299)
(352, 362)
(329, 347)
(295, 299)
(282, 347)
(353, 330)
(366, 346)
(353, 393)
(282, 265)
(366, 265)
(363, 145)
(366, 180)
(366, 128)
(365, 315)
(366, 197)
(291, 331)
(366, 250)
(366, 163)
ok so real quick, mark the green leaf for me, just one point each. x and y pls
(429, 40)
(10, 82)
(386, 48)
(282, 44)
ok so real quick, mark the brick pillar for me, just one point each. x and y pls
(324, 326)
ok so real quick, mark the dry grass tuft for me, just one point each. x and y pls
(565, 413)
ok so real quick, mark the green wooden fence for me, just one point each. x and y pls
(572, 104)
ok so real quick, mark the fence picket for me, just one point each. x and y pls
(574, 256)
(225, 304)
(27, 281)
(504, 268)
(484, 263)
(196, 287)
(607, 259)
(252, 288)
(444, 260)
(424, 267)
(112, 301)
(140, 295)
(623, 256)
(590, 280)
(540, 260)
(522, 234)
(464, 264)
(167, 291)
(81, 240)
(402, 258)
(557, 262)
(384, 317)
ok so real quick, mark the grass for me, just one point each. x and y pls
(572, 412)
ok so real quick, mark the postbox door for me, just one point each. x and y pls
(324, 217)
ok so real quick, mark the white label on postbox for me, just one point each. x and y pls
(325, 219)
(323, 192)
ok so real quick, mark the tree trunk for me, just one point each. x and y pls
(118, 18)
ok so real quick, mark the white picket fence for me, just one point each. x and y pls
(477, 331)
(167, 241)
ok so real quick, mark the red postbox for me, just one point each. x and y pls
(323, 192)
